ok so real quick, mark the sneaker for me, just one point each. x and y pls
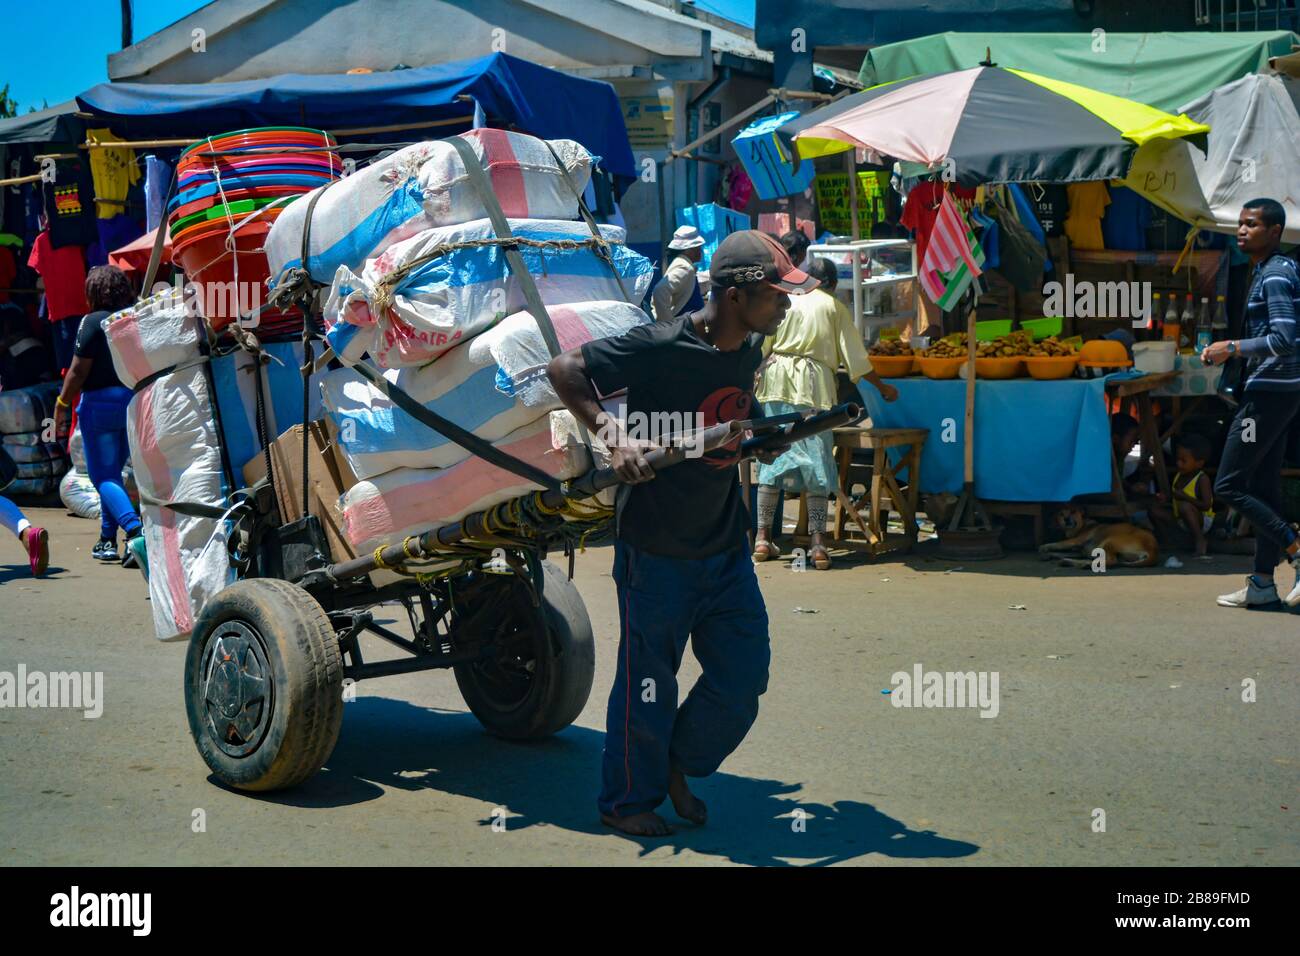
(1293, 599)
(38, 549)
(135, 547)
(1252, 595)
(105, 550)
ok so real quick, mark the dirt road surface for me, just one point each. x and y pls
(1119, 694)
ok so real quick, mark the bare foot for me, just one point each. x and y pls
(688, 806)
(638, 824)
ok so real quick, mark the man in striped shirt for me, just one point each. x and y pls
(1250, 471)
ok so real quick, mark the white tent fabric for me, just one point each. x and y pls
(1254, 151)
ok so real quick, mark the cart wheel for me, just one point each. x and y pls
(264, 685)
(539, 678)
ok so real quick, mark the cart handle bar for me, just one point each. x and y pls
(595, 481)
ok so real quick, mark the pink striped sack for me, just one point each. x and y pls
(408, 501)
(175, 453)
(154, 334)
(423, 186)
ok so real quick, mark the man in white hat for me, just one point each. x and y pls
(679, 286)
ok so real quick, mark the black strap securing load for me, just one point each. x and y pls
(453, 432)
(602, 250)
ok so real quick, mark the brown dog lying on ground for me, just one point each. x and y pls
(1126, 545)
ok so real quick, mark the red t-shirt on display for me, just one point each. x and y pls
(64, 272)
(922, 209)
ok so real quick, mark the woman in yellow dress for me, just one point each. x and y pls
(817, 337)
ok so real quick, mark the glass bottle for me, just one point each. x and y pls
(1204, 329)
(1170, 332)
(1187, 325)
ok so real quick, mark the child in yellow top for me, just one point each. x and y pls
(1193, 492)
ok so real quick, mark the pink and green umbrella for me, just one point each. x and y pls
(990, 124)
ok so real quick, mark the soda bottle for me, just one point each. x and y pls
(1220, 323)
(1171, 319)
(1187, 325)
(1204, 326)
(1153, 316)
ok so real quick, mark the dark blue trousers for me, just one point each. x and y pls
(716, 603)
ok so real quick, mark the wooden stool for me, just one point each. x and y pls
(885, 493)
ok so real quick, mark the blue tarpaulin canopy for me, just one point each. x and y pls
(511, 92)
(55, 124)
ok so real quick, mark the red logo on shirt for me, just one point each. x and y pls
(725, 405)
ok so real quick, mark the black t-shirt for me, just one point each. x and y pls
(93, 344)
(692, 509)
(1051, 207)
(70, 204)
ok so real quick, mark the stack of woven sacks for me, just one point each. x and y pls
(26, 417)
(179, 453)
(420, 289)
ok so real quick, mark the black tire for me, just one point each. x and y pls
(271, 719)
(539, 681)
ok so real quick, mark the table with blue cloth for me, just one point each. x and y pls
(1034, 440)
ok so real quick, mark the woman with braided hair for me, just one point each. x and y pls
(798, 375)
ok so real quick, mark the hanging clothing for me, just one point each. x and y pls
(114, 172)
(1088, 202)
(8, 272)
(1021, 254)
(157, 180)
(922, 209)
(67, 204)
(953, 257)
(817, 336)
(1051, 205)
(64, 272)
(1127, 217)
(988, 236)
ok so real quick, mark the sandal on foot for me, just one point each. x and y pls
(821, 559)
(765, 551)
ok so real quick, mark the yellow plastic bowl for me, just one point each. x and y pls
(940, 367)
(893, 366)
(998, 367)
(1047, 367)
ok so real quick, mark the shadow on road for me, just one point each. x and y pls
(391, 743)
(23, 572)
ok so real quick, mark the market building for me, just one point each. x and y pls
(679, 70)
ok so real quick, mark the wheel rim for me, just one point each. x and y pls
(509, 676)
(237, 687)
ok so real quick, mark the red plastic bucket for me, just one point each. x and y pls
(230, 282)
(259, 136)
(265, 216)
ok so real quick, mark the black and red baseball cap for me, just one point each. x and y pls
(751, 256)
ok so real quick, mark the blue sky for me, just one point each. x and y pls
(38, 69)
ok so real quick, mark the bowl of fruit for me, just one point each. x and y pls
(892, 358)
(1051, 359)
(944, 358)
(1002, 357)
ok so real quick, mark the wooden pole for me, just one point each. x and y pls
(20, 180)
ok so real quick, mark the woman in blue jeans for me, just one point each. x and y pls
(101, 399)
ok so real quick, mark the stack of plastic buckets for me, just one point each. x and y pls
(224, 206)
